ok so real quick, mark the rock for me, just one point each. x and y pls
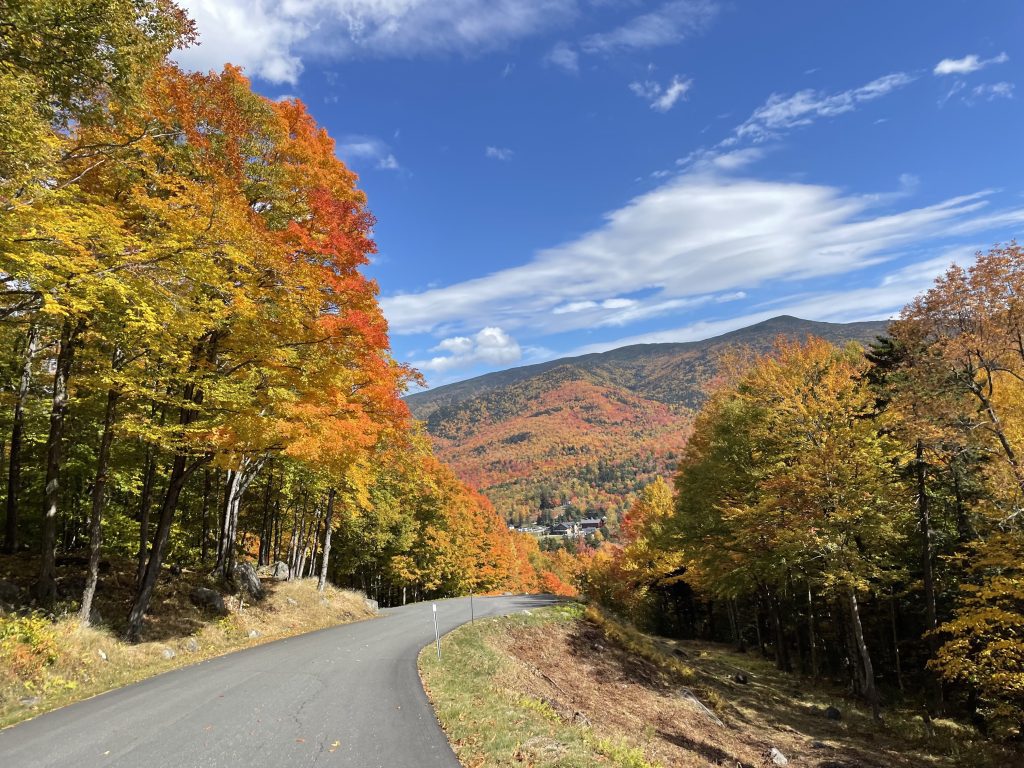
(279, 571)
(102, 654)
(597, 647)
(31, 701)
(168, 654)
(833, 714)
(210, 599)
(9, 592)
(291, 601)
(191, 645)
(372, 605)
(253, 634)
(776, 757)
(740, 678)
(248, 580)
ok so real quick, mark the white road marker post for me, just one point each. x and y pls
(472, 613)
(437, 636)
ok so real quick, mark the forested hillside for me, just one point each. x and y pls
(590, 431)
(195, 372)
(857, 515)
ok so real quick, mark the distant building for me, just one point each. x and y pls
(566, 528)
(591, 524)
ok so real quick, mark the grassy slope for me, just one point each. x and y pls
(46, 665)
(554, 689)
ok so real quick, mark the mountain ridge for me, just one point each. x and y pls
(590, 430)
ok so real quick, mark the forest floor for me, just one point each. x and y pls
(560, 688)
(50, 660)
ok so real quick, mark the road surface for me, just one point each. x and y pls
(346, 696)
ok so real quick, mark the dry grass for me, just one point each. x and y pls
(46, 664)
(561, 686)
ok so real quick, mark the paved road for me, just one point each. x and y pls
(278, 705)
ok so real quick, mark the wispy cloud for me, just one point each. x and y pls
(880, 300)
(499, 153)
(565, 56)
(368, 149)
(271, 40)
(992, 91)
(697, 235)
(784, 112)
(670, 23)
(662, 98)
(968, 64)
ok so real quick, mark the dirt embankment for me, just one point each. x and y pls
(684, 703)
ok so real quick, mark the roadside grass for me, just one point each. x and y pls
(489, 724)
(568, 686)
(46, 664)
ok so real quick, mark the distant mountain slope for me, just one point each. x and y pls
(589, 430)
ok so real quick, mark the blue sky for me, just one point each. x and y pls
(553, 177)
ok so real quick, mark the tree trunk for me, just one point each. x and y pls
(145, 503)
(96, 514)
(267, 525)
(868, 686)
(781, 650)
(327, 541)
(46, 587)
(895, 638)
(207, 495)
(924, 521)
(815, 670)
(17, 431)
(180, 473)
(237, 484)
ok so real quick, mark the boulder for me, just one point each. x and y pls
(248, 580)
(191, 645)
(371, 604)
(740, 678)
(776, 757)
(253, 634)
(102, 654)
(209, 599)
(9, 592)
(833, 714)
(279, 571)
(168, 654)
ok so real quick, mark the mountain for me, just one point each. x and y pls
(590, 430)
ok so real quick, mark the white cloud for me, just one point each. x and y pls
(661, 98)
(369, 149)
(698, 235)
(491, 345)
(669, 23)
(499, 153)
(879, 301)
(565, 56)
(968, 64)
(992, 91)
(270, 39)
(781, 112)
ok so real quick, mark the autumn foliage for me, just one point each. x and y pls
(196, 369)
(857, 514)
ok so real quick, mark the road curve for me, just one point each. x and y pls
(345, 696)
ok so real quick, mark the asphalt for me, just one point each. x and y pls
(346, 696)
